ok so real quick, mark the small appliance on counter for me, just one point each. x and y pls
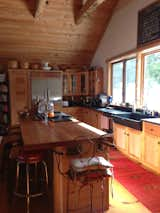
(103, 100)
(65, 103)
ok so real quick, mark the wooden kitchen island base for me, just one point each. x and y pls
(76, 195)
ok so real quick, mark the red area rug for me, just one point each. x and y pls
(144, 185)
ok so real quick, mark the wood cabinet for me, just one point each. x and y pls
(135, 142)
(19, 93)
(72, 111)
(151, 149)
(66, 84)
(75, 83)
(83, 83)
(4, 106)
(128, 140)
(93, 118)
(96, 81)
(121, 137)
(87, 115)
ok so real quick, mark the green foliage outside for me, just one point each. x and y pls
(153, 67)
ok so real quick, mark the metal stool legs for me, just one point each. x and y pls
(28, 189)
(46, 172)
(28, 194)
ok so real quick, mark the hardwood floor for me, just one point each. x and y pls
(122, 202)
(18, 205)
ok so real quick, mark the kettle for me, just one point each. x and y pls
(102, 100)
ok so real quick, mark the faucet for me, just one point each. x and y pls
(145, 109)
(133, 108)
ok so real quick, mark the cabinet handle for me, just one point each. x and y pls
(125, 133)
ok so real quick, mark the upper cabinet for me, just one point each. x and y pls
(19, 93)
(82, 82)
(75, 83)
(4, 104)
(96, 81)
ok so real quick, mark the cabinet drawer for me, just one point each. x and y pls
(152, 129)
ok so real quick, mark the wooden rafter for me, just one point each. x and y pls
(87, 9)
(40, 6)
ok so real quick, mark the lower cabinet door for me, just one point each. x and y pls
(121, 137)
(151, 156)
(135, 141)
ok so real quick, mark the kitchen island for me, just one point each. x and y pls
(38, 135)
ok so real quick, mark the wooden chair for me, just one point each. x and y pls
(87, 166)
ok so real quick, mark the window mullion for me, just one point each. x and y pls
(124, 82)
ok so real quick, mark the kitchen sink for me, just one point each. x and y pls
(132, 119)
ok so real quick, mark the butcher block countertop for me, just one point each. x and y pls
(39, 135)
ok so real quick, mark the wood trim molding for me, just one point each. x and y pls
(87, 9)
(40, 6)
(122, 56)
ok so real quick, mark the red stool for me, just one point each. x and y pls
(28, 159)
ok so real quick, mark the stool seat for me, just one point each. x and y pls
(30, 157)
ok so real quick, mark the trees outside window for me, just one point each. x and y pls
(124, 81)
(117, 82)
(151, 81)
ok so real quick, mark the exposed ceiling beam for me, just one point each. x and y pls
(87, 9)
(40, 6)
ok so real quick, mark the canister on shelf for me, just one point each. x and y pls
(13, 64)
(24, 64)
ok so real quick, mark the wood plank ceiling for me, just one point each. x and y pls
(51, 33)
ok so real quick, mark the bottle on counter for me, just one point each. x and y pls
(50, 109)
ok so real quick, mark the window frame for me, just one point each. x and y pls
(143, 54)
(123, 60)
(139, 54)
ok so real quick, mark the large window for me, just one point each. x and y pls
(130, 81)
(124, 81)
(151, 78)
(117, 82)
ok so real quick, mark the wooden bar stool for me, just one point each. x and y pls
(28, 162)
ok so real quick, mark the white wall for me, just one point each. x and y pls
(121, 33)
